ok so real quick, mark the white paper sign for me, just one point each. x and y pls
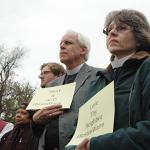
(53, 95)
(96, 117)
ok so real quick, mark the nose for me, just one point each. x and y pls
(18, 115)
(62, 46)
(113, 31)
(40, 76)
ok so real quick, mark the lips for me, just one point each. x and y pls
(42, 80)
(112, 41)
(63, 53)
(18, 119)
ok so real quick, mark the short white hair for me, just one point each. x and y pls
(83, 40)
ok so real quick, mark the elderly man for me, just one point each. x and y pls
(60, 126)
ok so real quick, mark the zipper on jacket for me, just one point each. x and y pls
(129, 104)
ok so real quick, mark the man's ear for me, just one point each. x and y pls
(84, 50)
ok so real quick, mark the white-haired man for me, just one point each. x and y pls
(74, 51)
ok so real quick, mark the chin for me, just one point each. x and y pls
(19, 122)
(114, 50)
(63, 61)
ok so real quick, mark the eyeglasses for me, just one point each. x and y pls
(119, 28)
(45, 72)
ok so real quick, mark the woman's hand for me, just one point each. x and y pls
(84, 145)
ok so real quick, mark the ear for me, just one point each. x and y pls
(83, 50)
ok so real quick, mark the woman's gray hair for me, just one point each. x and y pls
(83, 40)
(137, 21)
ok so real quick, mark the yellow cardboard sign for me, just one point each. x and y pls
(96, 117)
(44, 97)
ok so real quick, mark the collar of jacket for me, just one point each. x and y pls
(140, 55)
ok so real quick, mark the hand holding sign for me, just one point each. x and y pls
(96, 117)
(50, 101)
(84, 145)
(43, 115)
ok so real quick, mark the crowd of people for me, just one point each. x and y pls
(128, 41)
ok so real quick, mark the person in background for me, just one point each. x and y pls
(128, 40)
(60, 125)
(50, 71)
(5, 127)
(21, 137)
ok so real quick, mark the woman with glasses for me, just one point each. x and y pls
(128, 40)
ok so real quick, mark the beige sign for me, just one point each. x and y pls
(53, 95)
(96, 117)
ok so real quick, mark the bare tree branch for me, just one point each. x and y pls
(11, 92)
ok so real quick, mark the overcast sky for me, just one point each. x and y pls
(38, 25)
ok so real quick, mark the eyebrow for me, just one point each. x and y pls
(46, 72)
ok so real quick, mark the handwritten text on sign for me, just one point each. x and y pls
(53, 95)
(96, 117)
